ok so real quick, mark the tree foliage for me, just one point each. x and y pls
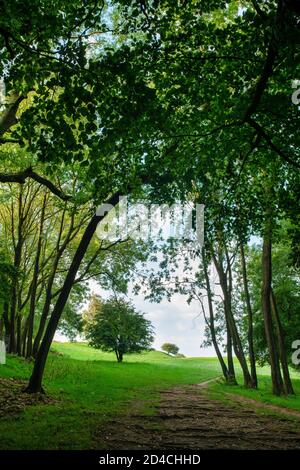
(115, 325)
(170, 348)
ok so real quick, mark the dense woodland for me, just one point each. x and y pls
(162, 101)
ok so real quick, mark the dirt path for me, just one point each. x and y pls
(265, 406)
(187, 418)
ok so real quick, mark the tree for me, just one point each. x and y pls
(207, 128)
(134, 109)
(116, 326)
(170, 348)
(285, 289)
(7, 276)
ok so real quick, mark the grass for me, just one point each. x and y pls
(91, 387)
(264, 392)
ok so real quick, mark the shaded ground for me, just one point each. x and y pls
(13, 400)
(187, 418)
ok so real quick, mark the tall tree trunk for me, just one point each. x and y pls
(282, 350)
(1, 328)
(236, 340)
(47, 304)
(237, 343)
(12, 333)
(34, 282)
(44, 316)
(35, 381)
(15, 284)
(230, 363)
(250, 318)
(19, 335)
(6, 321)
(277, 384)
(211, 322)
(24, 337)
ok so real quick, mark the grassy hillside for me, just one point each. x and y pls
(89, 387)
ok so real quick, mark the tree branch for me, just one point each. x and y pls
(207, 134)
(21, 177)
(260, 130)
(269, 62)
(259, 11)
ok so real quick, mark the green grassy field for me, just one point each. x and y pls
(91, 387)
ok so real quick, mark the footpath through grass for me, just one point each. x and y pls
(91, 387)
(264, 392)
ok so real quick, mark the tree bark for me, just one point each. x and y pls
(211, 322)
(44, 315)
(24, 338)
(277, 384)
(250, 318)
(14, 289)
(1, 328)
(47, 304)
(6, 319)
(282, 350)
(19, 335)
(34, 282)
(236, 340)
(120, 357)
(230, 363)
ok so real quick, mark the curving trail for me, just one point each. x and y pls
(187, 418)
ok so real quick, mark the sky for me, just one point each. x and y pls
(174, 322)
